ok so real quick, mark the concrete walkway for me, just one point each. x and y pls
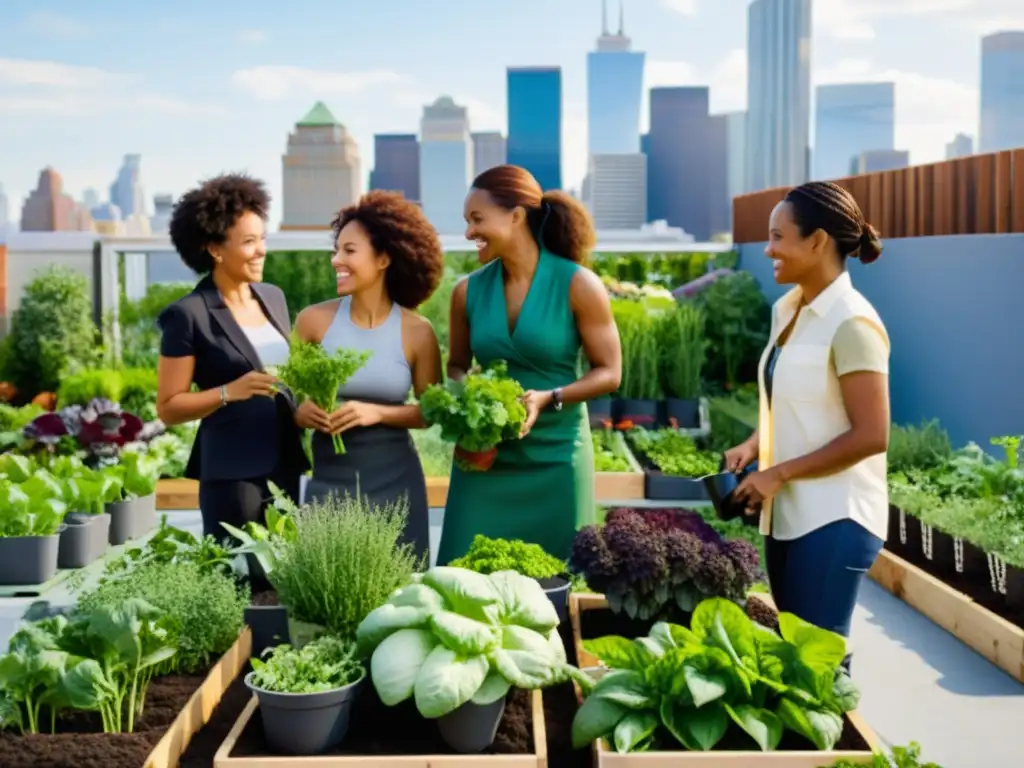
(919, 683)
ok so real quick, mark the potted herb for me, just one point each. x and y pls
(306, 695)
(477, 413)
(674, 466)
(488, 556)
(314, 373)
(659, 564)
(87, 491)
(640, 390)
(456, 641)
(134, 515)
(31, 519)
(690, 689)
(684, 349)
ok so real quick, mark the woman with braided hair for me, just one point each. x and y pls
(823, 428)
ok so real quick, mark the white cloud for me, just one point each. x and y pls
(929, 110)
(685, 7)
(252, 36)
(49, 87)
(278, 83)
(56, 26)
(854, 19)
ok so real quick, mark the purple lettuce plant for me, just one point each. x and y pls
(102, 428)
(658, 565)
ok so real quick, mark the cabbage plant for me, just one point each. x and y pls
(453, 636)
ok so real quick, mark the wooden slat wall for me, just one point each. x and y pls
(981, 194)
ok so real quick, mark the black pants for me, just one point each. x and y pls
(236, 502)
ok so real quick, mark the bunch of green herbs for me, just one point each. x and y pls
(324, 664)
(311, 372)
(487, 556)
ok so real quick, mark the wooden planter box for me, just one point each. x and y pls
(606, 757)
(992, 636)
(223, 758)
(177, 494)
(620, 486)
(199, 709)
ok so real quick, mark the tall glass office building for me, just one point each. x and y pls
(615, 86)
(1002, 92)
(535, 122)
(851, 119)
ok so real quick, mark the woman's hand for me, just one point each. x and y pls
(758, 487)
(311, 416)
(535, 402)
(741, 456)
(252, 384)
(354, 414)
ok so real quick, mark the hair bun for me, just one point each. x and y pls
(870, 246)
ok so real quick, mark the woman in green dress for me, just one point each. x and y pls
(534, 305)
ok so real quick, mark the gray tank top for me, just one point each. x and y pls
(386, 377)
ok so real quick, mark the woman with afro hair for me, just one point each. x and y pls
(216, 346)
(388, 261)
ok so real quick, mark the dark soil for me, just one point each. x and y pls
(976, 584)
(264, 598)
(374, 730)
(80, 743)
(601, 622)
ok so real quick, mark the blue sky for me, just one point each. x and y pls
(198, 87)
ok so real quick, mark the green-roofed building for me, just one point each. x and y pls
(321, 172)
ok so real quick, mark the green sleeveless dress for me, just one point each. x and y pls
(541, 488)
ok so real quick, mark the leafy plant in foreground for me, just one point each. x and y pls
(902, 757)
(313, 372)
(691, 687)
(321, 665)
(660, 565)
(488, 556)
(452, 636)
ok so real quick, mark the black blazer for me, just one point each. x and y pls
(252, 439)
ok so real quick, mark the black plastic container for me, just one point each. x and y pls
(719, 489)
(557, 590)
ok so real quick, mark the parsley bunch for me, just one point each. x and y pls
(488, 556)
(314, 373)
(325, 664)
(478, 412)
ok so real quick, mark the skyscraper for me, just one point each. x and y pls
(778, 92)
(446, 164)
(321, 171)
(962, 145)
(126, 192)
(876, 160)
(396, 164)
(616, 192)
(1002, 92)
(163, 206)
(615, 83)
(852, 118)
(686, 161)
(47, 208)
(489, 150)
(535, 122)
(736, 155)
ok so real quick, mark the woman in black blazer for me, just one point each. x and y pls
(221, 338)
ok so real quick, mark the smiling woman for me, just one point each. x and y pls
(221, 337)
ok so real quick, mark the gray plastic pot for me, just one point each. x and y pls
(131, 518)
(471, 728)
(83, 541)
(557, 590)
(305, 723)
(26, 560)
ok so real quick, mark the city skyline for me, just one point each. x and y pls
(191, 119)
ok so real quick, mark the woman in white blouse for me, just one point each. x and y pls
(823, 427)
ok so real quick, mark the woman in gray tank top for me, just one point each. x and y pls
(388, 260)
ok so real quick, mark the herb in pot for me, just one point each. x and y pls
(674, 453)
(313, 372)
(488, 556)
(688, 687)
(453, 636)
(477, 413)
(324, 664)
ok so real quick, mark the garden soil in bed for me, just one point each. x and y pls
(80, 742)
(978, 588)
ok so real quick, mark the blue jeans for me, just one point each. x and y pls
(817, 576)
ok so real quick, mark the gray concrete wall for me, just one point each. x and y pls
(952, 306)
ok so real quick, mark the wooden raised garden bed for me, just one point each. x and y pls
(181, 493)
(242, 746)
(176, 708)
(620, 486)
(606, 757)
(995, 638)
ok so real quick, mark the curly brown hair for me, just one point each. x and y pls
(400, 229)
(559, 223)
(203, 216)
